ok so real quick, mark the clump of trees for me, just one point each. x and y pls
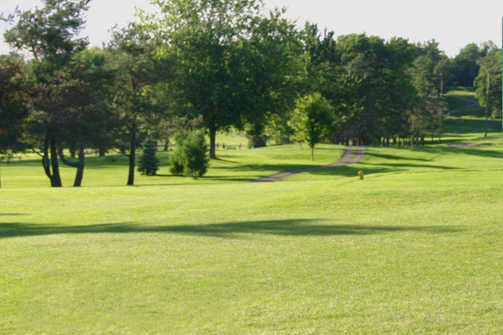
(216, 65)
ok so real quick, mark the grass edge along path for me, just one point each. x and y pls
(347, 159)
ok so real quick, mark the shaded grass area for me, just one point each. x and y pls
(292, 227)
(457, 127)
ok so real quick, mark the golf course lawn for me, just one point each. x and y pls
(416, 247)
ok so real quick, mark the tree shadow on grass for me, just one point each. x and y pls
(350, 170)
(293, 227)
(473, 151)
(395, 157)
(463, 126)
(267, 167)
(369, 169)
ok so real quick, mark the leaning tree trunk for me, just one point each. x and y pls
(46, 164)
(56, 176)
(79, 165)
(80, 168)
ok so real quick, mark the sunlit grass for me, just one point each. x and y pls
(414, 248)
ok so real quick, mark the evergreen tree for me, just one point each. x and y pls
(149, 163)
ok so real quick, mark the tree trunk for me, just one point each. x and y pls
(46, 164)
(72, 151)
(213, 135)
(80, 167)
(312, 153)
(132, 155)
(56, 177)
(102, 151)
(487, 102)
(166, 146)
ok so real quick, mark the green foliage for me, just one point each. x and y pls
(177, 157)
(488, 82)
(279, 130)
(238, 64)
(311, 118)
(149, 163)
(176, 162)
(190, 157)
(196, 155)
(14, 109)
(467, 62)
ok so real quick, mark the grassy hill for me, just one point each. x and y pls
(414, 248)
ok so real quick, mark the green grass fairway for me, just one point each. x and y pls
(415, 248)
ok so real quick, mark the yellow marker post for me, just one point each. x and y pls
(361, 174)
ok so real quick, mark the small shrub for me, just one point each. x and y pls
(176, 161)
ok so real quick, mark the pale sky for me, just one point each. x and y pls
(452, 23)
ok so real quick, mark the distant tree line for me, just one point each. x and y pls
(215, 65)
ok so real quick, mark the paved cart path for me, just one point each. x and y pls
(347, 159)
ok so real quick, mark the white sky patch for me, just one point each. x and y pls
(452, 23)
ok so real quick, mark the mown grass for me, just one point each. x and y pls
(464, 104)
(414, 248)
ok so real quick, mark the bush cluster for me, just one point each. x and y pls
(190, 157)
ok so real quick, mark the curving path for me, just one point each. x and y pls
(347, 159)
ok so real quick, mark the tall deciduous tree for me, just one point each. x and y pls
(236, 62)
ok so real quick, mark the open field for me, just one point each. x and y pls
(417, 247)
